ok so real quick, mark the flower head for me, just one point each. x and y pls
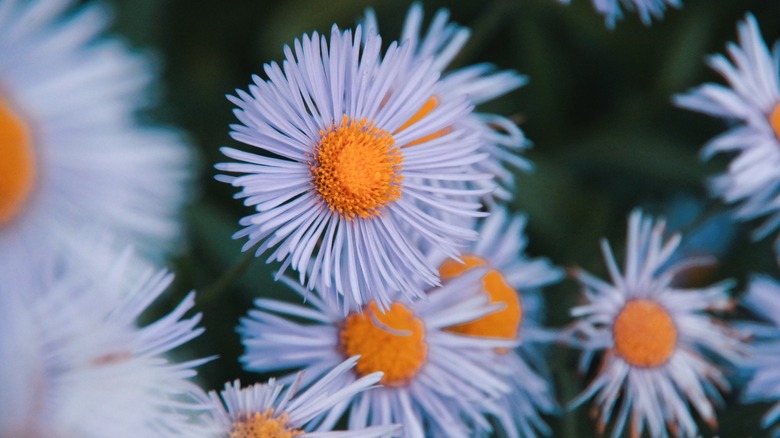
(763, 299)
(661, 346)
(352, 154)
(76, 362)
(434, 382)
(72, 150)
(272, 410)
(479, 83)
(647, 9)
(514, 281)
(752, 100)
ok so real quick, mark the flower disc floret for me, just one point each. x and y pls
(774, 120)
(17, 166)
(392, 342)
(645, 335)
(263, 425)
(503, 323)
(356, 169)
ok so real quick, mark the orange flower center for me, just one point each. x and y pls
(265, 425)
(357, 169)
(426, 109)
(504, 323)
(17, 165)
(645, 335)
(774, 120)
(392, 342)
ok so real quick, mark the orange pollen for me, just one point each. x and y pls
(357, 169)
(774, 120)
(265, 425)
(392, 342)
(17, 165)
(504, 323)
(645, 335)
(424, 110)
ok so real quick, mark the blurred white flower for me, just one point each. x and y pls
(73, 152)
(752, 103)
(612, 10)
(75, 362)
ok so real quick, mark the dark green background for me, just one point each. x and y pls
(597, 108)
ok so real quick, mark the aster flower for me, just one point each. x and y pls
(514, 280)
(349, 153)
(479, 83)
(76, 363)
(435, 383)
(72, 150)
(272, 410)
(647, 9)
(662, 350)
(763, 299)
(752, 102)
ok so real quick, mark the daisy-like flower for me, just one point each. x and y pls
(502, 139)
(752, 100)
(435, 382)
(647, 9)
(75, 363)
(763, 299)
(72, 151)
(350, 155)
(514, 281)
(273, 410)
(661, 347)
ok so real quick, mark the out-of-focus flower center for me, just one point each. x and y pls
(774, 120)
(17, 163)
(645, 335)
(357, 169)
(426, 109)
(392, 342)
(504, 323)
(265, 425)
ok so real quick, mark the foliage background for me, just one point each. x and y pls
(597, 108)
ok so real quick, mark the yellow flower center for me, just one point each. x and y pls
(265, 425)
(426, 109)
(774, 120)
(504, 323)
(645, 335)
(17, 163)
(392, 342)
(357, 169)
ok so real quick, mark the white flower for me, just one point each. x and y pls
(73, 152)
(347, 176)
(76, 364)
(271, 410)
(752, 102)
(435, 383)
(479, 83)
(647, 9)
(514, 280)
(661, 348)
(763, 299)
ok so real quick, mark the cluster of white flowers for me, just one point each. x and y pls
(416, 311)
